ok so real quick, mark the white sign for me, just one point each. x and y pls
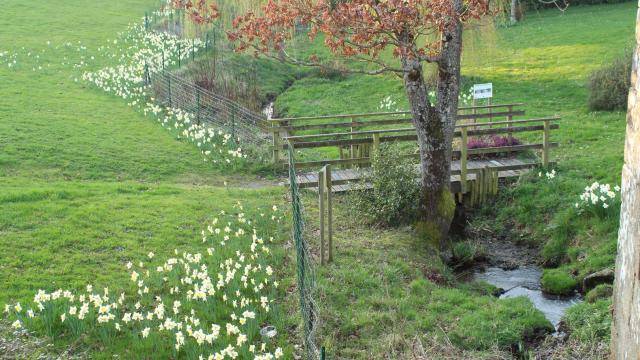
(482, 91)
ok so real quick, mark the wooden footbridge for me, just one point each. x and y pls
(485, 146)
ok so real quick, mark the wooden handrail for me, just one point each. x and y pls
(369, 123)
(550, 118)
(414, 137)
(363, 115)
(384, 131)
(455, 153)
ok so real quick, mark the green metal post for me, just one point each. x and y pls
(179, 53)
(198, 107)
(168, 78)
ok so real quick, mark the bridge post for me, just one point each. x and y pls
(463, 161)
(545, 144)
(510, 125)
(352, 129)
(376, 145)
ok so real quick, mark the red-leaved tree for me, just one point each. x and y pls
(416, 32)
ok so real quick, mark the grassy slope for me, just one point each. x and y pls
(545, 62)
(87, 183)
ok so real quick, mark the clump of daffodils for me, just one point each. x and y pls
(598, 196)
(215, 146)
(550, 175)
(138, 55)
(209, 304)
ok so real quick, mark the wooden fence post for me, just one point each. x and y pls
(321, 188)
(329, 185)
(463, 161)
(352, 151)
(545, 144)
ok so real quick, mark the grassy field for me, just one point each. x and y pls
(89, 184)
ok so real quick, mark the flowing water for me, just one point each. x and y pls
(525, 281)
(268, 110)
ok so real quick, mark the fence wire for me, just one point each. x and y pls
(210, 108)
(305, 273)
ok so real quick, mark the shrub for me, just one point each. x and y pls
(495, 141)
(609, 86)
(558, 282)
(396, 189)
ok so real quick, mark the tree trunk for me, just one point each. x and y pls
(435, 124)
(514, 11)
(626, 298)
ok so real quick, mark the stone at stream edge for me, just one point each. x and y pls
(604, 276)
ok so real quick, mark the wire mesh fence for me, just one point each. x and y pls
(304, 268)
(209, 108)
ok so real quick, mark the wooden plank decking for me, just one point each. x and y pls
(343, 179)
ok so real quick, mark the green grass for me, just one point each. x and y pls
(544, 61)
(88, 183)
(386, 289)
(558, 282)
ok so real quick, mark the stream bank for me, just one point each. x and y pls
(513, 266)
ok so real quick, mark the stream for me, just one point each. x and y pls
(268, 110)
(525, 281)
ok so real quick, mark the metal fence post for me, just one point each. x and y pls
(179, 53)
(147, 77)
(233, 123)
(328, 183)
(198, 107)
(169, 80)
(321, 189)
